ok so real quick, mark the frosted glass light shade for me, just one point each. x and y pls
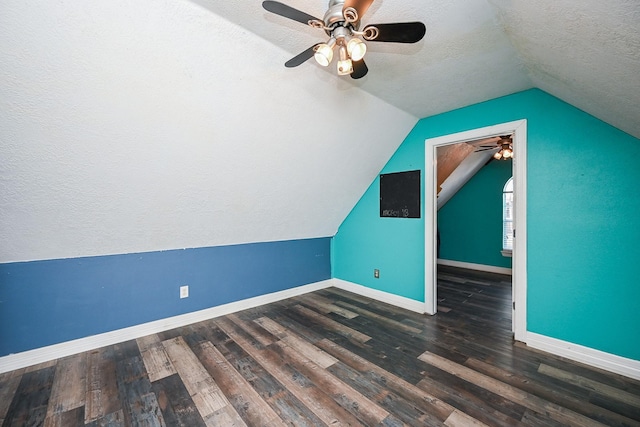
(324, 54)
(356, 49)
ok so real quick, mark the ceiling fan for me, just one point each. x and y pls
(503, 146)
(341, 22)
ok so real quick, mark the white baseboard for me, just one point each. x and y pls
(599, 359)
(56, 351)
(589, 356)
(402, 302)
(478, 267)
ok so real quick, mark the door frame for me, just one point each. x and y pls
(519, 255)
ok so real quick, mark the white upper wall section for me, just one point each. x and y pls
(149, 125)
(152, 125)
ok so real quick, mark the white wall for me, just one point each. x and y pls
(150, 125)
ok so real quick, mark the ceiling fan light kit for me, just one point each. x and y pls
(341, 23)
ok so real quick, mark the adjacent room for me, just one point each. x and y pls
(343, 212)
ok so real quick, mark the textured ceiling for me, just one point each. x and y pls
(585, 52)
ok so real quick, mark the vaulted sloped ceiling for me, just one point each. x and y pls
(465, 57)
(147, 125)
(584, 52)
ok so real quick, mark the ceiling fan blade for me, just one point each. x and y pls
(401, 32)
(486, 149)
(360, 69)
(301, 57)
(288, 11)
(361, 6)
(490, 141)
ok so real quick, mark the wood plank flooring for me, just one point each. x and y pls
(328, 358)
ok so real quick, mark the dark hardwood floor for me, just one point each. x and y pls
(328, 358)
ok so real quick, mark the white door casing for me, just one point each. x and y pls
(519, 261)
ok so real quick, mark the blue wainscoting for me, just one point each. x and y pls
(53, 301)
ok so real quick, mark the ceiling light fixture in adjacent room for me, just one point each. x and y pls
(505, 152)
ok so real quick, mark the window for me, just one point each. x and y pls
(507, 217)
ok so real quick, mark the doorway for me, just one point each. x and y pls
(519, 131)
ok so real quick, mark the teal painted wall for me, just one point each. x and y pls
(49, 302)
(470, 223)
(582, 212)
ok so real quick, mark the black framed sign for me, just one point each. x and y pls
(400, 194)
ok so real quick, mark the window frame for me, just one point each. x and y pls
(507, 217)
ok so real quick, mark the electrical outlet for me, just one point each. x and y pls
(184, 291)
(376, 273)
